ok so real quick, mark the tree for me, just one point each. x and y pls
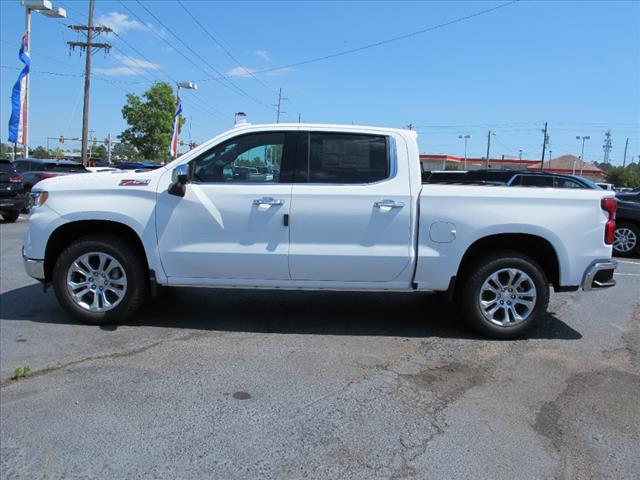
(99, 151)
(624, 177)
(150, 120)
(56, 152)
(125, 151)
(39, 152)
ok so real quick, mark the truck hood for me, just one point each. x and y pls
(101, 181)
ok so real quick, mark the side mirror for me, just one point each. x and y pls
(179, 180)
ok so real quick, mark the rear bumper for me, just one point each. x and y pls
(33, 267)
(599, 275)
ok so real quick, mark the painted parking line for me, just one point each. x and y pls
(628, 274)
(629, 262)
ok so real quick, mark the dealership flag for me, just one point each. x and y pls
(18, 120)
(173, 148)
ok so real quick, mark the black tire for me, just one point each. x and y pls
(10, 217)
(132, 263)
(635, 230)
(475, 276)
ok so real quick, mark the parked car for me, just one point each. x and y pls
(510, 178)
(34, 170)
(605, 186)
(629, 196)
(626, 241)
(12, 195)
(347, 211)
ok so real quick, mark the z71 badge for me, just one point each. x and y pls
(128, 182)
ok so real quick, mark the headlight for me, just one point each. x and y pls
(38, 198)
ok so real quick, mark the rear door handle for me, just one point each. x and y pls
(386, 203)
(268, 201)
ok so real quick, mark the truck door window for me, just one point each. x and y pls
(347, 158)
(253, 158)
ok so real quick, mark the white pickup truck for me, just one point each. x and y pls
(296, 206)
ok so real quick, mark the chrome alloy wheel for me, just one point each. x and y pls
(624, 240)
(96, 282)
(507, 297)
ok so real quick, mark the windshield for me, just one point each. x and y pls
(591, 184)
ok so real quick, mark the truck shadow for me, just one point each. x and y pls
(283, 312)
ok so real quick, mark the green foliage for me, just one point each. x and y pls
(628, 176)
(39, 152)
(20, 372)
(150, 120)
(125, 151)
(99, 151)
(56, 152)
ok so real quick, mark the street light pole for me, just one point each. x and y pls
(465, 137)
(46, 8)
(176, 133)
(578, 137)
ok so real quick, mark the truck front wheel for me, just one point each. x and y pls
(100, 279)
(503, 294)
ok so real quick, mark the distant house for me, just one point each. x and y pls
(572, 165)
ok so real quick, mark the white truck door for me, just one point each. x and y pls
(350, 209)
(231, 222)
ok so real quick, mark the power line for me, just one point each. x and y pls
(230, 55)
(231, 85)
(224, 49)
(381, 42)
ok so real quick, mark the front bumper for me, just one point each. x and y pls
(599, 275)
(33, 267)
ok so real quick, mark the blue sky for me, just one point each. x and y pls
(573, 64)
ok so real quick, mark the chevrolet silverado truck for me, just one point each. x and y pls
(323, 207)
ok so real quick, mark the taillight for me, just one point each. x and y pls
(43, 175)
(15, 179)
(609, 205)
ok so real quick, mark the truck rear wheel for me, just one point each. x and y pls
(504, 294)
(100, 279)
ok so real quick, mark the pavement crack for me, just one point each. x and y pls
(118, 354)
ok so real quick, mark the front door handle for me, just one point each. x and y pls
(268, 201)
(386, 203)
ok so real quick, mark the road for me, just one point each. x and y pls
(254, 384)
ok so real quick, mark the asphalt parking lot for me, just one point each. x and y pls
(255, 384)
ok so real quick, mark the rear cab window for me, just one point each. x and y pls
(345, 158)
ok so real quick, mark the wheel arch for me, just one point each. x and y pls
(71, 231)
(534, 246)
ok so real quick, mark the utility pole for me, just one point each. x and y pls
(488, 146)
(88, 47)
(109, 148)
(299, 117)
(279, 105)
(624, 159)
(410, 126)
(606, 146)
(544, 146)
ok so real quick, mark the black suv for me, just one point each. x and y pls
(510, 178)
(12, 194)
(35, 169)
